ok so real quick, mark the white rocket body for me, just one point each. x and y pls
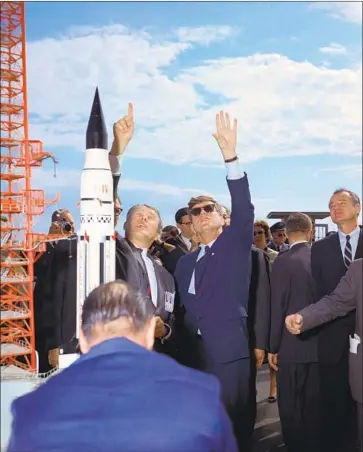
(96, 236)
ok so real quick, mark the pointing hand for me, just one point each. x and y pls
(123, 131)
(294, 323)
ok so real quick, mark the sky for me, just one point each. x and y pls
(290, 72)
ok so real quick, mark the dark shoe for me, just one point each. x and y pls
(272, 399)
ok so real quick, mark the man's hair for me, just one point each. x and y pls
(200, 199)
(180, 213)
(135, 207)
(112, 301)
(298, 222)
(227, 210)
(264, 225)
(353, 196)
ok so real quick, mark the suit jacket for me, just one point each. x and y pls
(292, 288)
(219, 308)
(121, 397)
(259, 303)
(134, 272)
(60, 292)
(328, 268)
(347, 297)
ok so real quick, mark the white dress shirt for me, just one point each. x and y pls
(188, 242)
(296, 243)
(151, 275)
(354, 238)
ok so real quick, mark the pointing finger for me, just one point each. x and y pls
(130, 111)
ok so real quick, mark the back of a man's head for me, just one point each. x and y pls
(116, 310)
(299, 227)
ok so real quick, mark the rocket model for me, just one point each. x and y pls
(96, 236)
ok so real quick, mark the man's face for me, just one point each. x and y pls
(226, 216)
(342, 209)
(206, 218)
(259, 237)
(143, 224)
(186, 227)
(279, 237)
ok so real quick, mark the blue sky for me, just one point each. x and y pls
(290, 72)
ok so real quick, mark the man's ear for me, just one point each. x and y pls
(125, 226)
(83, 343)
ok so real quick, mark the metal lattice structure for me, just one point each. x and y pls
(20, 247)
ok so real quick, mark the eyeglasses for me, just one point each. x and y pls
(188, 223)
(258, 233)
(118, 211)
(209, 208)
(281, 234)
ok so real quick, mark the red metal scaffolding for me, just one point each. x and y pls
(19, 202)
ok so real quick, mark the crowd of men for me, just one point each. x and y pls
(213, 296)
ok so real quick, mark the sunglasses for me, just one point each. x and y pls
(258, 233)
(196, 211)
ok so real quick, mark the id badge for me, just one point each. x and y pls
(169, 301)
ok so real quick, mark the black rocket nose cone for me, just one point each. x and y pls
(96, 135)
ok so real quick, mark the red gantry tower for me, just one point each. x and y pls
(19, 201)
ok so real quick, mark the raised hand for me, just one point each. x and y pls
(294, 323)
(123, 130)
(226, 135)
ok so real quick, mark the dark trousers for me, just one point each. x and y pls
(337, 408)
(360, 425)
(238, 390)
(298, 400)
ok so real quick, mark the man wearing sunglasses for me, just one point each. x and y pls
(213, 284)
(279, 237)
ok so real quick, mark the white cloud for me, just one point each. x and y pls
(353, 169)
(205, 35)
(347, 11)
(285, 108)
(334, 48)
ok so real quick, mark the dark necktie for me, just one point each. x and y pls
(200, 267)
(348, 255)
(148, 287)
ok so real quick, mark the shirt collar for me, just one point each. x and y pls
(354, 233)
(299, 241)
(208, 244)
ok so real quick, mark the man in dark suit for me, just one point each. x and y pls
(120, 396)
(330, 258)
(347, 297)
(213, 284)
(295, 358)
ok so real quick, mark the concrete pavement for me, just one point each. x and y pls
(267, 430)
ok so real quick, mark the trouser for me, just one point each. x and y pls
(298, 402)
(360, 425)
(338, 409)
(238, 391)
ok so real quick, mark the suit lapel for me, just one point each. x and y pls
(337, 250)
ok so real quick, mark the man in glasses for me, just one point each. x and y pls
(213, 284)
(279, 237)
(184, 224)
